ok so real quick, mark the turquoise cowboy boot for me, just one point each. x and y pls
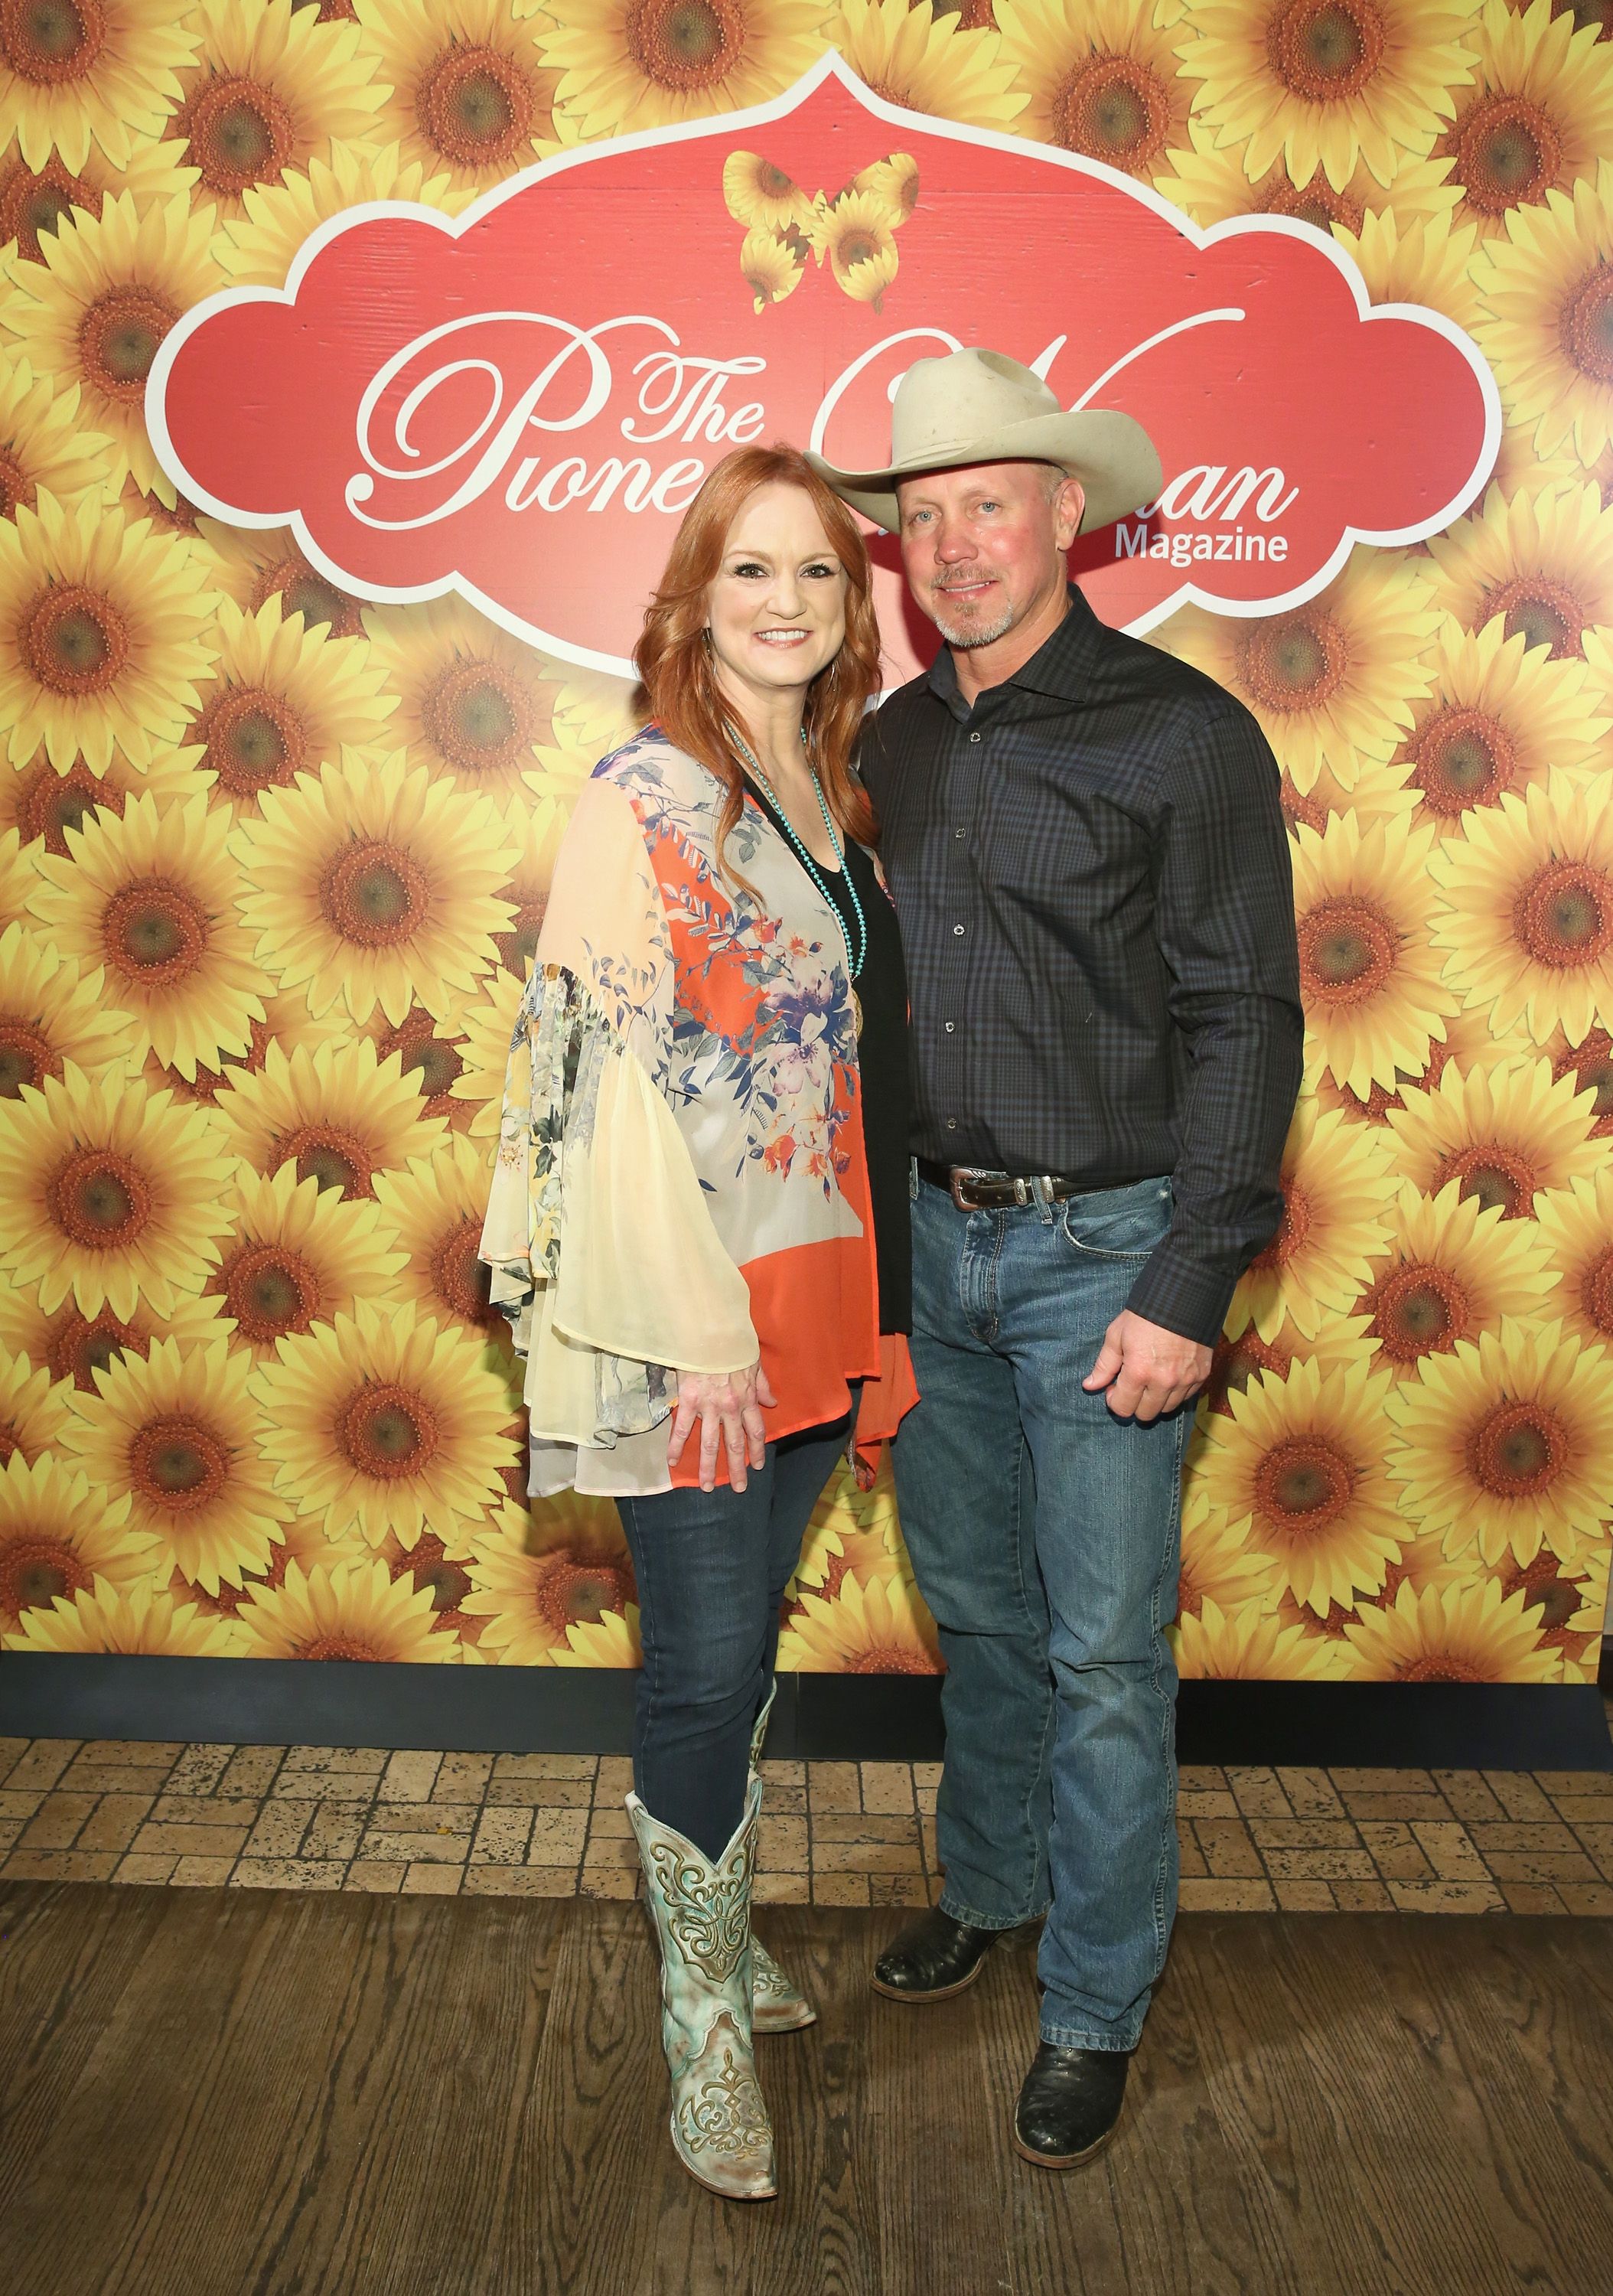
(720, 2129)
(777, 2006)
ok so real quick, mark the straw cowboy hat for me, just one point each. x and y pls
(978, 406)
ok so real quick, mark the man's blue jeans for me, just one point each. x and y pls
(1045, 1534)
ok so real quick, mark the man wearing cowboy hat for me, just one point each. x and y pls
(1089, 862)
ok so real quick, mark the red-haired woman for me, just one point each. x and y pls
(699, 1222)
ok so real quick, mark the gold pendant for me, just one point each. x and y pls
(856, 1013)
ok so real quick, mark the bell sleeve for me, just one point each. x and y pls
(603, 1254)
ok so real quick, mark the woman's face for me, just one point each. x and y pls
(777, 605)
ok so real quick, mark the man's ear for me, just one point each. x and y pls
(1070, 504)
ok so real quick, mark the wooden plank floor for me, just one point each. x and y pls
(263, 2092)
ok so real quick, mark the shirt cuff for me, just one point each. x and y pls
(1182, 1295)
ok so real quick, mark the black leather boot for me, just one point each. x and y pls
(1069, 2104)
(932, 1958)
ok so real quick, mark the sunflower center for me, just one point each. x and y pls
(154, 932)
(333, 1154)
(48, 804)
(35, 1569)
(99, 1200)
(1586, 325)
(477, 107)
(27, 1056)
(1293, 661)
(857, 245)
(1237, 1361)
(684, 44)
(1596, 1293)
(119, 336)
(571, 1592)
(375, 894)
(1465, 758)
(35, 200)
(240, 132)
(17, 489)
(886, 1658)
(1506, 151)
(270, 1289)
(480, 718)
(79, 1349)
(459, 1277)
(178, 1461)
(1293, 1229)
(337, 1645)
(517, 944)
(1592, 1061)
(1325, 50)
(1114, 108)
(48, 42)
(1564, 916)
(1518, 1451)
(1440, 1665)
(1316, 203)
(1348, 951)
(1492, 1174)
(75, 641)
(252, 740)
(1417, 1310)
(1545, 611)
(387, 1430)
(301, 591)
(1304, 1484)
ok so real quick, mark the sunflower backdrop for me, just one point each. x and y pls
(272, 862)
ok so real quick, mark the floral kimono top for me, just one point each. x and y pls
(681, 1182)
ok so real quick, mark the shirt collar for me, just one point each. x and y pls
(1063, 665)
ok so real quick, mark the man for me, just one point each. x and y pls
(1084, 844)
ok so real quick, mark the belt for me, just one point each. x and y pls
(974, 1191)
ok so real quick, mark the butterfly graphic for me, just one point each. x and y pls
(854, 231)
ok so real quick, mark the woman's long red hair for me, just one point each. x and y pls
(679, 674)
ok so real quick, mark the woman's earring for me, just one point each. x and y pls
(705, 637)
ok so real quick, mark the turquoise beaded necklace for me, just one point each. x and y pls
(854, 959)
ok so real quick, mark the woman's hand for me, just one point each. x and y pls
(729, 1405)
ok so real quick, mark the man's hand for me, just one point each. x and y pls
(1146, 1369)
(729, 1405)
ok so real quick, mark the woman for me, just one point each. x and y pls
(698, 1219)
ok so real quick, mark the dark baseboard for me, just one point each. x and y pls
(833, 1717)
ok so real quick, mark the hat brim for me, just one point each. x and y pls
(1110, 454)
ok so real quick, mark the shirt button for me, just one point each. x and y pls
(974, 737)
(957, 928)
(952, 1123)
(949, 1026)
(958, 832)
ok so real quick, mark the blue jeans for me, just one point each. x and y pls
(712, 1567)
(1045, 1534)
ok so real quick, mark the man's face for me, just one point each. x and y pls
(983, 547)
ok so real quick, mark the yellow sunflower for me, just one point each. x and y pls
(1220, 1564)
(1337, 1191)
(443, 1575)
(853, 233)
(337, 1115)
(286, 1022)
(108, 1193)
(95, 312)
(179, 1437)
(593, 713)
(271, 87)
(1102, 78)
(257, 247)
(1507, 1445)
(1326, 84)
(1528, 909)
(1213, 185)
(38, 801)
(535, 1576)
(1452, 1269)
(430, 1052)
(610, 1640)
(59, 1538)
(36, 201)
(73, 1346)
(1247, 1644)
(1338, 1342)
(100, 634)
(284, 699)
(1329, 680)
(32, 1409)
(153, 894)
(386, 1420)
(1543, 294)
(1467, 1044)
(1542, 561)
(1536, 116)
(876, 1625)
(73, 74)
(435, 1211)
(1380, 793)
(771, 266)
(44, 443)
(927, 59)
(1457, 1633)
(488, 1025)
(294, 1254)
(617, 66)
(1499, 715)
(350, 1610)
(1426, 261)
(851, 1530)
(1568, 1606)
(1368, 971)
(1504, 1133)
(471, 95)
(765, 198)
(474, 704)
(136, 1621)
(253, 564)
(51, 1013)
(374, 885)
(533, 828)
(1592, 1061)
(1575, 1228)
(1298, 1463)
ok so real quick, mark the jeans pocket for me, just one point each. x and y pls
(1118, 1223)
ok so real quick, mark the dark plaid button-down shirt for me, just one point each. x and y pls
(1091, 875)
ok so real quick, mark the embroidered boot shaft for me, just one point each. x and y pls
(702, 1910)
(778, 2006)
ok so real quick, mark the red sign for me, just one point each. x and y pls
(518, 402)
